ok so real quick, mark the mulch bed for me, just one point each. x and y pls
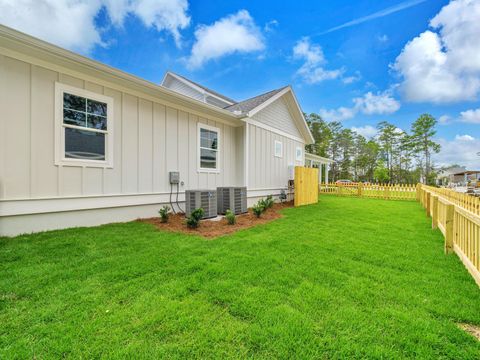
(214, 228)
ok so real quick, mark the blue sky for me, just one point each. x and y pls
(393, 61)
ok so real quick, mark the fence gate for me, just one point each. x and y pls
(306, 185)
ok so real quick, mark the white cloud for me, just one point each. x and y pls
(383, 38)
(71, 24)
(369, 104)
(312, 70)
(340, 114)
(464, 138)
(366, 131)
(462, 150)
(270, 26)
(443, 65)
(470, 116)
(380, 103)
(444, 119)
(233, 33)
(352, 79)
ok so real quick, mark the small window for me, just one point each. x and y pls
(84, 127)
(278, 148)
(208, 148)
(299, 153)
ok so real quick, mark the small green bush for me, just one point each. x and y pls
(194, 219)
(230, 216)
(258, 208)
(164, 214)
(269, 202)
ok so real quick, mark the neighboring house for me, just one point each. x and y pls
(445, 176)
(84, 144)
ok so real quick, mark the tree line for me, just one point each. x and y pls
(392, 156)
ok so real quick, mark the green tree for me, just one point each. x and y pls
(321, 134)
(381, 172)
(422, 134)
(389, 140)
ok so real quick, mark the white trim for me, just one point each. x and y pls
(302, 120)
(273, 130)
(318, 158)
(28, 49)
(278, 142)
(91, 202)
(218, 161)
(268, 102)
(298, 158)
(246, 151)
(60, 159)
(195, 87)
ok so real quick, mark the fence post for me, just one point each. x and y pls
(418, 192)
(359, 189)
(427, 205)
(449, 228)
(434, 211)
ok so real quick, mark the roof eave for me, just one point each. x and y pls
(19, 42)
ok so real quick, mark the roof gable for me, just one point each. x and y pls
(278, 115)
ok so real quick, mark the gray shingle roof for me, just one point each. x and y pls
(250, 104)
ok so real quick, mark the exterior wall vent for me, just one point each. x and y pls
(232, 198)
(205, 199)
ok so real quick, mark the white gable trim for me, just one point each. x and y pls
(273, 130)
(193, 86)
(297, 113)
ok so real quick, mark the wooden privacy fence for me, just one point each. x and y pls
(306, 185)
(379, 191)
(457, 217)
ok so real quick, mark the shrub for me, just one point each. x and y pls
(269, 202)
(230, 216)
(258, 208)
(164, 214)
(194, 219)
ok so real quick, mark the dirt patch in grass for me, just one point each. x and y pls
(214, 228)
(471, 329)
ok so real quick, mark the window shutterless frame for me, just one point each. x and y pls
(278, 149)
(298, 153)
(60, 126)
(201, 126)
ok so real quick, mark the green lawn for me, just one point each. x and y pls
(347, 277)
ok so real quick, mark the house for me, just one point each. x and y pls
(445, 176)
(84, 144)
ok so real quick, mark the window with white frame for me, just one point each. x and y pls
(208, 152)
(84, 127)
(278, 148)
(298, 153)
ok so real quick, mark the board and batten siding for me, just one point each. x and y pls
(150, 139)
(277, 115)
(265, 170)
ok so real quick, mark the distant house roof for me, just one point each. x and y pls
(247, 105)
(468, 172)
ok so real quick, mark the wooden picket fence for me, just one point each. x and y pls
(378, 191)
(457, 216)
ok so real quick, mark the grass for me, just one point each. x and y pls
(345, 278)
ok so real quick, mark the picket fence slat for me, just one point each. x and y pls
(458, 218)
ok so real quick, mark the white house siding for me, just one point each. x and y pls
(277, 115)
(267, 174)
(150, 139)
